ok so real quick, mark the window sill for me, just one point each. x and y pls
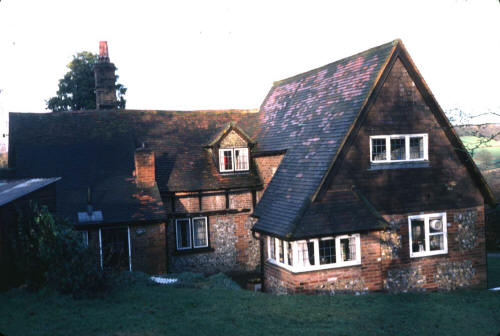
(234, 172)
(399, 165)
(194, 251)
(314, 268)
(427, 254)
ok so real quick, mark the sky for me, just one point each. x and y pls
(184, 55)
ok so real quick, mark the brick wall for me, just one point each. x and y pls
(463, 266)
(232, 249)
(267, 166)
(144, 166)
(359, 278)
(386, 263)
(148, 248)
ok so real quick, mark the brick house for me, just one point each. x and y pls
(348, 178)
(374, 190)
(147, 188)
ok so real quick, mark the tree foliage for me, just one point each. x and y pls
(47, 252)
(77, 87)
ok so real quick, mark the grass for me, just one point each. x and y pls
(470, 140)
(143, 309)
(494, 272)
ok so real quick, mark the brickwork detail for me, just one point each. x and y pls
(274, 285)
(467, 234)
(148, 248)
(234, 248)
(343, 286)
(145, 166)
(233, 139)
(223, 259)
(390, 240)
(455, 274)
(405, 280)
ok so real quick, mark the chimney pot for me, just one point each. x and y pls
(103, 50)
(104, 73)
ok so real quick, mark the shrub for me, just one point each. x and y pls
(48, 252)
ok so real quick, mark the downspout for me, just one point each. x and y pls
(261, 249)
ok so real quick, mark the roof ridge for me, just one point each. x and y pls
(294, 77)
(214, 111)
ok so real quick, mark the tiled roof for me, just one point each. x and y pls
(309, 115)
(96, 148)
(339, 212)
(11, 190)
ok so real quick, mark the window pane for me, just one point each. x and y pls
(417, 235)
(227, 160)
(281, 251)
(327, 251)
(200, 232)
(241, 158)
(348, 248)
(398, 150)
(273, 248)
(183, 234)
(417, 148)
(378, 149)
(289, 254)
(436, 242)
(436, 225)
(310, 251)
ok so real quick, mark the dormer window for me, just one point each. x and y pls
(398, 148)
(233, 159)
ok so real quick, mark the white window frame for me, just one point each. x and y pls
(299, 267)
(233, 159)
(427, 252)
(407, 138)
(221, 160)
(177, 235)
(191, 234)
(206, 232)
(245, 151)
(129, 247)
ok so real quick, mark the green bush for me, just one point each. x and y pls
(50, 253)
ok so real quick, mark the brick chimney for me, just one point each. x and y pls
(144, 166)
(104, 73)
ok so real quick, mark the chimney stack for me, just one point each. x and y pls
(145, 166)
(104, 72)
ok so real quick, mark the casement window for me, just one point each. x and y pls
(191, 233)
(241, 159)
(399, 148)
(315, 254)
(114, 247)
(233, 159)
(427, 235)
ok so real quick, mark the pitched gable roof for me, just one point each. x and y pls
(96, 148)
(311, 115)
(225, 131)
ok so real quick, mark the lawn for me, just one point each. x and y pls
(160, 310)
